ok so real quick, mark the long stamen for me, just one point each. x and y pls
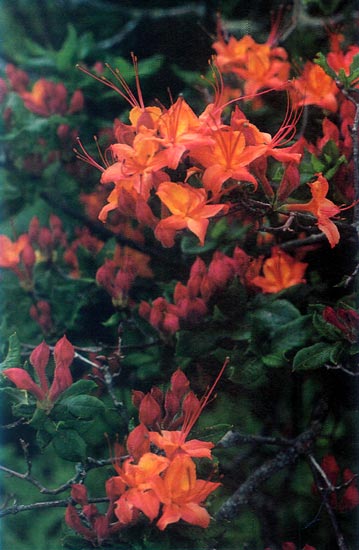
(86, 157)
(124, 91)
(288, 129)
(192, 418)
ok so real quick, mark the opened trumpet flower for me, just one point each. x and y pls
(47, 395)
(189, 209)
(181, 493)
(322, 208)
(280, 271)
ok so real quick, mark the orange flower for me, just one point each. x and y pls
(182, 493)
(259, 65)
(322, 208)
(10, 251)
(48, 98)
(178, 127)
(174, 442)
(315, 87)
(138, 162)
(189, 209)
(227, 157)
(139, 478)
(280, 271)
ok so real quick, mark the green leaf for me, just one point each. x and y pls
(112, 321)
(315, 356)
(69, 445)
(321, 60)
(318, 165)
(78, 388)
(66, 57)
(84, 406)
(13, 357)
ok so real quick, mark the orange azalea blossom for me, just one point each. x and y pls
(227, 157)
(10, 251)
(280, 271)
(322, 208)
(135, 485)
(126, 200)
(137, 162)
(141, 117)
(47, 98)
(189, 210)
(174, 442)
(259, 65)
(315, 87)
(182, 493)
(337, 58)
(178, 127)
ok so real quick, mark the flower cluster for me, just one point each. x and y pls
(159, 478)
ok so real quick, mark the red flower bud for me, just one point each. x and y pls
(28, 257)
(73, 520)
(350, 498)
(34, 228)
(138, 442)
(64, 353)
(45, 239)
(150, 413)
(79, 493)
(137, 397)
(172, 404)
(144, 310)
(157, 394)
(77, 102)
(39, 359)
(179, 383)
(23, 381)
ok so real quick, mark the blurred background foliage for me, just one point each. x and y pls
(173, 43)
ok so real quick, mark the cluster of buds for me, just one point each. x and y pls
(191, 300)
(41, 313)
(85, 240)
(46, 395)
(46, 97)
(118, 275)
(93, 526)
(159, 479)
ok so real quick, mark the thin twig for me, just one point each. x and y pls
(230, 439)
(16, 508)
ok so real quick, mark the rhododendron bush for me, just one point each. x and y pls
(178, 263)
